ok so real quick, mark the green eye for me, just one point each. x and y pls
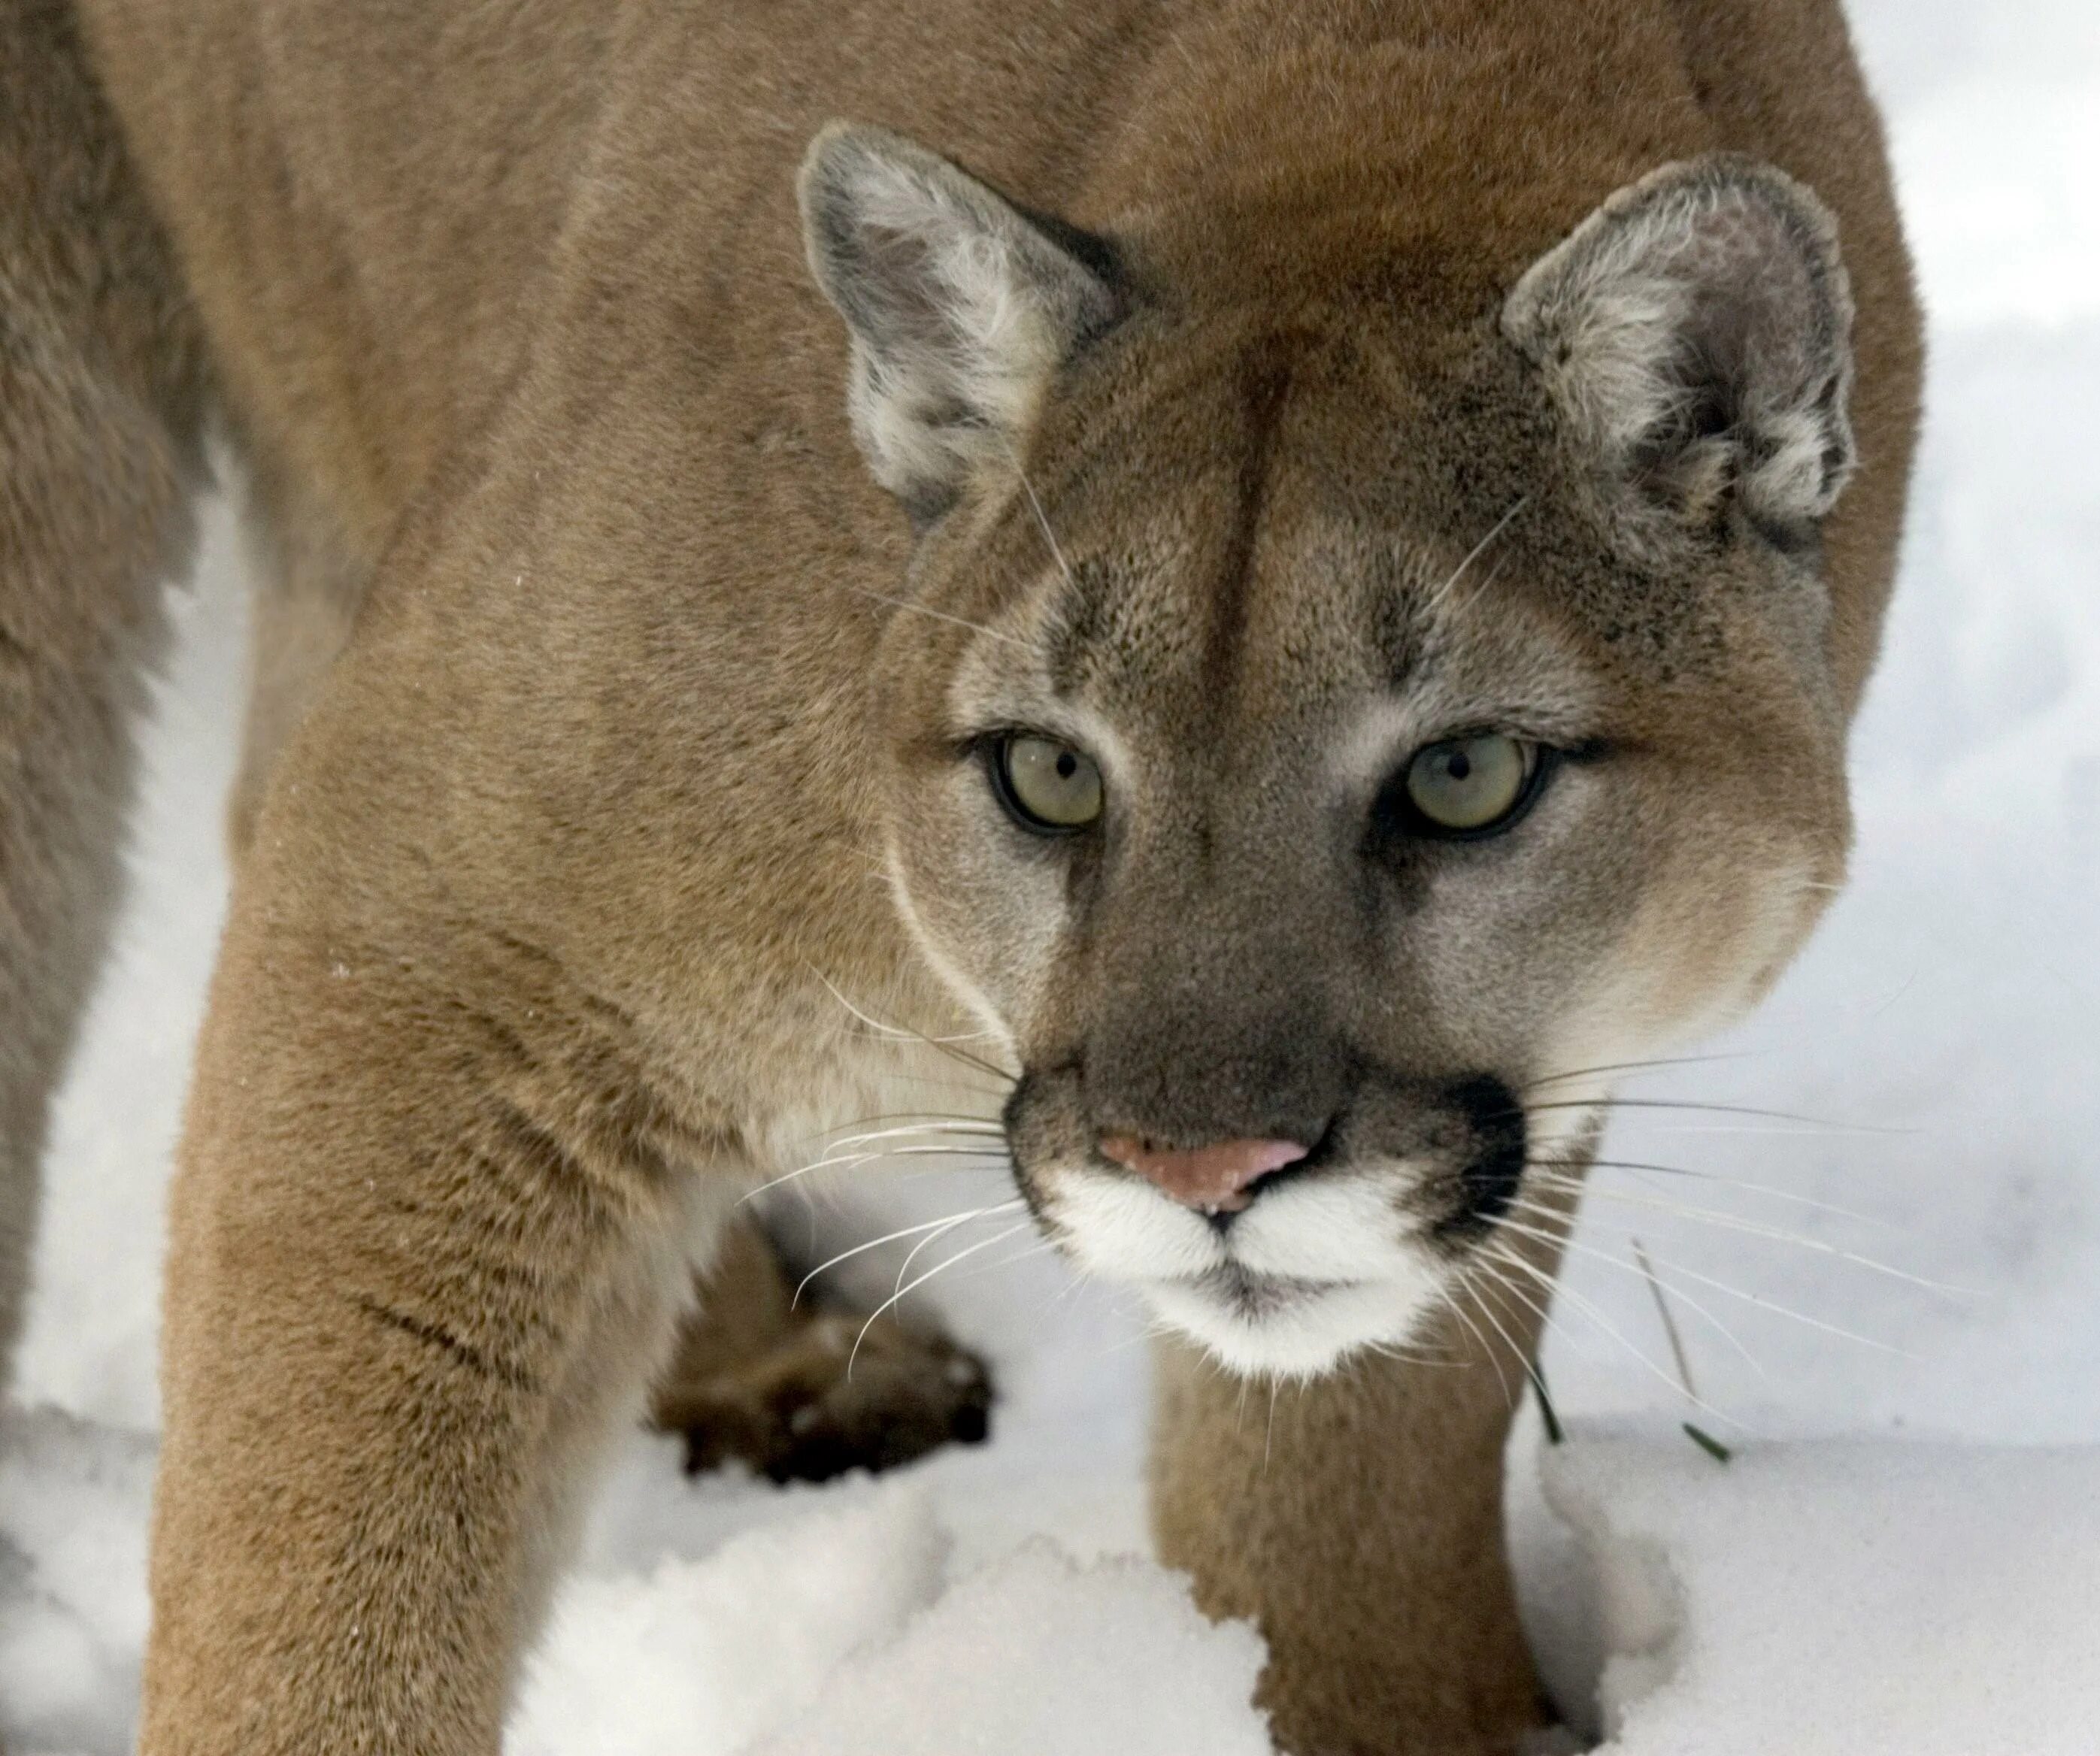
(1047, 786)
(1467, 786)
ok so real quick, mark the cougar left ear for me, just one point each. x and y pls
(1694, 333)
(960, 306)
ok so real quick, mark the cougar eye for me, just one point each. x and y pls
(1046, 786)
(1471, 786)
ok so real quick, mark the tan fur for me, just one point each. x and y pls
(630, 766)
(312, 584)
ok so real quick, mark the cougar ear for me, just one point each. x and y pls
(1694, 333)
(959, 305)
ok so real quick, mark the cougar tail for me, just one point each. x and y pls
(100, 454)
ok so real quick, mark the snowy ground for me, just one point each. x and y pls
(1940, 1042)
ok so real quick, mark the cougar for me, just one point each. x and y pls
(1257, 596)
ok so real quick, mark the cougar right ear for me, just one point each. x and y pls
(959, 305)
(1694, 333)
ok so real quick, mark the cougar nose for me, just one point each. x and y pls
(1217, 1178)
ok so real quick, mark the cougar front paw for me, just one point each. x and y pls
(828, 1398)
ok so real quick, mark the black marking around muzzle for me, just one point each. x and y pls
(1015, 1116)
(1488, 1181)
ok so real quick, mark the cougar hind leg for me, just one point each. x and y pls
(775, 1383)
(100, 407)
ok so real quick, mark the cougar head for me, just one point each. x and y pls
(1356, 693)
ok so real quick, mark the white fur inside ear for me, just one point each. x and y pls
(1695, 331)
(959, 305)
(946, 378)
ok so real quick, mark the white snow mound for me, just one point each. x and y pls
(841, 1614)
(1039, 1655)
(1868, 1598)
(72, 1580)
(696, 1657)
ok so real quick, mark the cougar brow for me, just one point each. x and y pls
(1265, 373)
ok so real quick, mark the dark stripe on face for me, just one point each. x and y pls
(1488, 1181)
(1014, 1116)
(1265, 388)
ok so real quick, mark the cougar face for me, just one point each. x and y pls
(1322, 796)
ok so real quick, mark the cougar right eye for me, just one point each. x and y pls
(1461, 789)
(1048, 787)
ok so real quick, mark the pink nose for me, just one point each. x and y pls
(1216, 1178)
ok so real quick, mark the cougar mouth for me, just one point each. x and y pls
(1274, 1326)
(1254, 1297)
(1312, 1269)
(1345, 1247)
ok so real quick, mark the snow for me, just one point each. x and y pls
(1841, 1598)
(845, 1631)
(699, 1656)
(72, 1580)
(1039, 1653)
(1892, 1560)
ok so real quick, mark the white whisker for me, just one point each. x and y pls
(944, 1044)
(903, 1032)
(1775, 1235)
(942, 615)
(1764, 1304)
(1626, 1066)
(1689, 1107)
(1479, 548)
(1041, 519)
(833, 1159)
(938, 1268)
(1597, 1317)
(1039, 1247)
(911, 1255)
(1500, 1284)
(1473, 1329)
(903, 1231)
(1634, 1167)
(920, 1130)
(1778, 1309)
(1567, 1243)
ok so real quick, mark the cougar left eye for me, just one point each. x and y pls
(1047, 787)
(1471, 786)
